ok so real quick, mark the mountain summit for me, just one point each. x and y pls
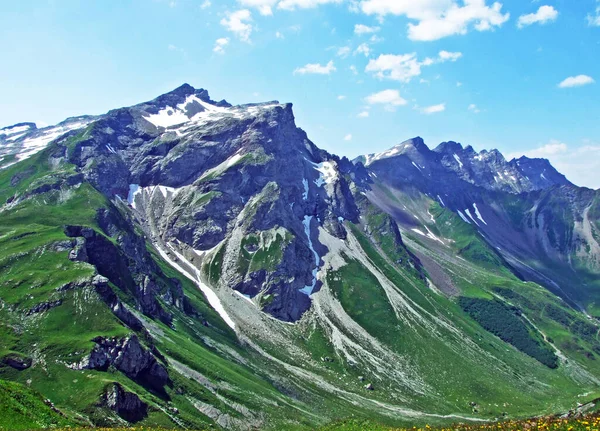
(487, 169)
(190, 263)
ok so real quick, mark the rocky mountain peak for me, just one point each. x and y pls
(415, 146)
(449, 147)
(450, 162)
(539, 172)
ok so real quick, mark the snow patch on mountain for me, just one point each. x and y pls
(134, 190)
(308, 290)
(468, 212)
(478, 214)
(305, 193)
(462, 216)
(211, 296)
(224, 166)
(327, 173)
(33, 145)
(458, 160)
(10, 131)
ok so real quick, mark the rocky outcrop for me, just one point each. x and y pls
(17, 362)
(102, 287)
(44, 306)
(125, 404)
(128, 356)
(120, 266)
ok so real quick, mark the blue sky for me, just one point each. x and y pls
(474, 71)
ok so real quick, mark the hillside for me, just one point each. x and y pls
(188, 263)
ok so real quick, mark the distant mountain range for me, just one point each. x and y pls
(185, 262)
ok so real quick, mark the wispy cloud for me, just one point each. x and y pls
(304, 4)
(316, 69)
(438, 19)
(176, 48)
(449, 56)
(544, 15)
(238, 23)
(360, 29)
(348, 137)
(220, 45)
(364, 49)
(344, 51)
(390, 99)
(405, 67)
(576, 81)
(265, 7)
(593, 19)
(474, 109)
(433, 109)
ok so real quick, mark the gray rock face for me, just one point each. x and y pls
(126, 404)
(128, 356)
(202, 174)
(128, 266)
(452, 164)
(44, 306)
(17, 362)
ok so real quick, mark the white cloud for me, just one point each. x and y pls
(576, 81)
(544, 15)
(391, 99)
(279, 35)
(593, 20)
(363, 114)
(264, 6)
(449, 56)
(363, 48)
(436, 19)
(361, 29)
(316, 69)
(220, 45)
(177, 49)
(405, 67)
(459, 84)
(238, 23)
(344, 51)
(304, 4)
(341, 97)
(580, 165)
(206, 4)
(395, 67)
(473, 108)
(552, 148)
(353, 70)
(434, 109)
(348, 137)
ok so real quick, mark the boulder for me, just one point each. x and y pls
(125, 404)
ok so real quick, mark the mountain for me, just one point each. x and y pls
(185, 262)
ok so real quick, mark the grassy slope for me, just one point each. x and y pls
(516, 384)
(32, 271)
(23, 409)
